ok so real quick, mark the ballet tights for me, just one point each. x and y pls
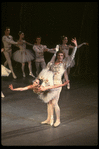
(8, 61)
(29, 66)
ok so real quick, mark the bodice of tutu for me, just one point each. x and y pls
(23, 46)
(65, 49)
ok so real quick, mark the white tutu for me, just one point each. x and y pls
(47, 77)
(23, 56)
(5, 71)
(50, 94)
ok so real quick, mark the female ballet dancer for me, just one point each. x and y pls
(7, 40)
(65, 48)
(51, 97)
(23, 55)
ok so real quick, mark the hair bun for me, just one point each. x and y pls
(20, 32)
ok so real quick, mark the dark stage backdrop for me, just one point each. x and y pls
(51, 20)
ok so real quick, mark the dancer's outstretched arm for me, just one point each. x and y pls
(78, 46)
(41, 88)
(21, 88)
(29, 43)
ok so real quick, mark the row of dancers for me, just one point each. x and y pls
(48, 83)
(24, 55)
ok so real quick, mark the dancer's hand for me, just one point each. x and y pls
(74, 41)
(87, 44)
(11, 87)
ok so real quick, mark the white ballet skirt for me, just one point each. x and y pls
(23, 55)
(47, 77)
(50, 94)
(5, 71)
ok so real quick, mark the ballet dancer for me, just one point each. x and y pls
(39, 50)
(53, 84)
(7, 40)
(23, 55)
(65, 48)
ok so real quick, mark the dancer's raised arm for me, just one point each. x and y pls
(75, 49)
(78, 46)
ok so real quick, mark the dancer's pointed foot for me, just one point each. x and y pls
(31, 74)
(2, 95)
(68, 86)
(14, 76)
(57, 123)
(46, 122)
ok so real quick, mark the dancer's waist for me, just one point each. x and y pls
(39, 59)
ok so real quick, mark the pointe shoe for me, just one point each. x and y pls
(14, 76)
(2, 95)
(45, 122)
(31, 74)
(56, 124)
(68, 86)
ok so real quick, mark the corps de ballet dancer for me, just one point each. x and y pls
(7, 40)
(24, 55)
(39, 50)
(50, 85)
(65, 48)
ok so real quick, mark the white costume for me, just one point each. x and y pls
(23, 55)
(7, 41)
(4, 72)
(52, 76)
(39, 56)
(65, 49)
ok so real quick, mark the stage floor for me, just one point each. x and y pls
(22, 112)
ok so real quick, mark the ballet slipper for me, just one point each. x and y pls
(31, 74)
(68, 86)
(2, 95)
(14, 76)
(57, 123)
(46, 122)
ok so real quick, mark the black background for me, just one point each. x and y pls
(51, 20)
